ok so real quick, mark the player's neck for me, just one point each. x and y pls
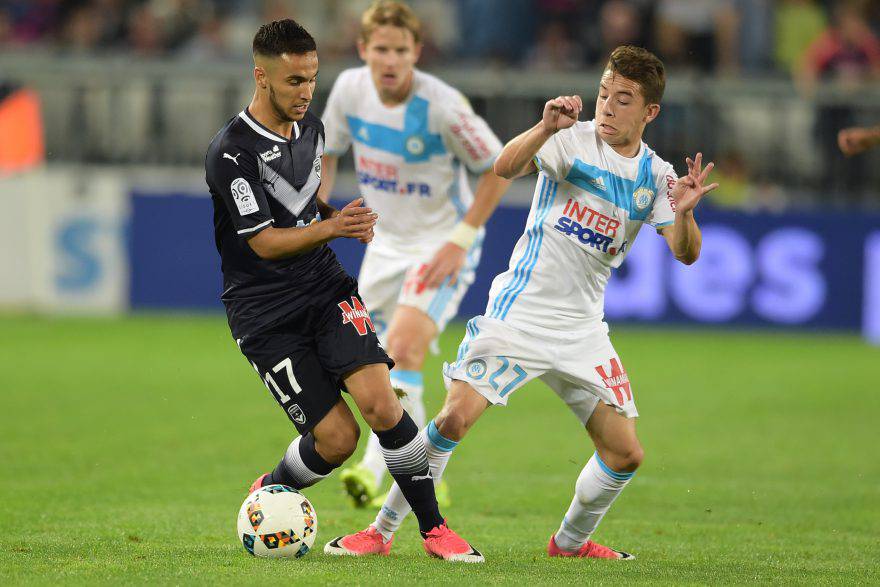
(263, 113)
(628, 150)
(399, 95)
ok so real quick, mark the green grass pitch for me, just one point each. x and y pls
(126, 447)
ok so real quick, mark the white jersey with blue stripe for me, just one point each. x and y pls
(410, 158)
(589, 205)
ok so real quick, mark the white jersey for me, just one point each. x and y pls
(409, 156)
(589, 204)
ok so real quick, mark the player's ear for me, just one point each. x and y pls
(651, 112)
(362, 49)
(260, 77)
(417, 52)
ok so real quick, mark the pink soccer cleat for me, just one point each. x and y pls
(369, 541)
(258, 483)
(588, 550)
(444, 543)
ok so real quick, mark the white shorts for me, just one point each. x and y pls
(582, 367)
(388, 280)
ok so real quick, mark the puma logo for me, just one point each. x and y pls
(422, 477)
(234, 159)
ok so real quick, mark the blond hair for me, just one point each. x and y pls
(390, 13)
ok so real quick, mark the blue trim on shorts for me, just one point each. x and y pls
(438, 440)
(611, 472)
(407, 377)
(472, 332)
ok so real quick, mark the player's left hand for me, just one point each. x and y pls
(367, 237)
(447, 262)
(689, 189)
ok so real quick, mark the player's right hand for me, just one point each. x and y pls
(561, 112)
(853, 141)
(354, 221)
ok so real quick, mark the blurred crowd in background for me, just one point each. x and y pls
(813, 37)
(774, 149)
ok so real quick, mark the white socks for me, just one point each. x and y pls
(411, 383)
(596, 488)
(395, 509)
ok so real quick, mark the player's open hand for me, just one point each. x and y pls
(690, 188)
(354, 221)
(561, 112)
(447, 262)
(853, 141)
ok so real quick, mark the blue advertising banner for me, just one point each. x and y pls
(804, 270)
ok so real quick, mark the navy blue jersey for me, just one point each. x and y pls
(258, 179)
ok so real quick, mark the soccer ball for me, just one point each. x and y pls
(277, 521)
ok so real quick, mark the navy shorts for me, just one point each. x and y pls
(302, 361)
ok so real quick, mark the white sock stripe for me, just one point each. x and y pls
(406, 465)
(409, 458)
(303, 475)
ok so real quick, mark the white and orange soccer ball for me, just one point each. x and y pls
(277, 521)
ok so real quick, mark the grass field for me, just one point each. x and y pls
(126, 447)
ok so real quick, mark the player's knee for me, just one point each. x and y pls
(452, 424)
(383, 411)
(406, 355)
(626, 459)
(341, 444)
(633, 458)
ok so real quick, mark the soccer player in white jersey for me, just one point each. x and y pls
(597, 184)
(414, 138)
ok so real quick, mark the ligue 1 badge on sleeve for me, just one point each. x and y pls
(642, 198)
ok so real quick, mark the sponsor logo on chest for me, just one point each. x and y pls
(386, 177)
(271, 154)
(590, 227)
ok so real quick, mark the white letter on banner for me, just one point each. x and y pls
(641, 292)
(714, 288)
(792, 288)
(871, 302)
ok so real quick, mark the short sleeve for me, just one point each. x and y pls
(235, 177)
(663, 212)
(553, 157)
(337, 135)
(469, 137)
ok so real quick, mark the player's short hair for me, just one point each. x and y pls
(390, 13)
(641, 66)
(283, 36)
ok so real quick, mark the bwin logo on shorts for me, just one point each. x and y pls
(476, 369)
(296, 414)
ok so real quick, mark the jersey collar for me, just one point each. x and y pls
(262, 130)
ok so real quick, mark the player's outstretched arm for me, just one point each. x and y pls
(517, 156)
(853, 141)
(353, 221)
(684, 237)
(450, 258)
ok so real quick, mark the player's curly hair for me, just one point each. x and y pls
(391, 13)
(641, 66)
(283, 36)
